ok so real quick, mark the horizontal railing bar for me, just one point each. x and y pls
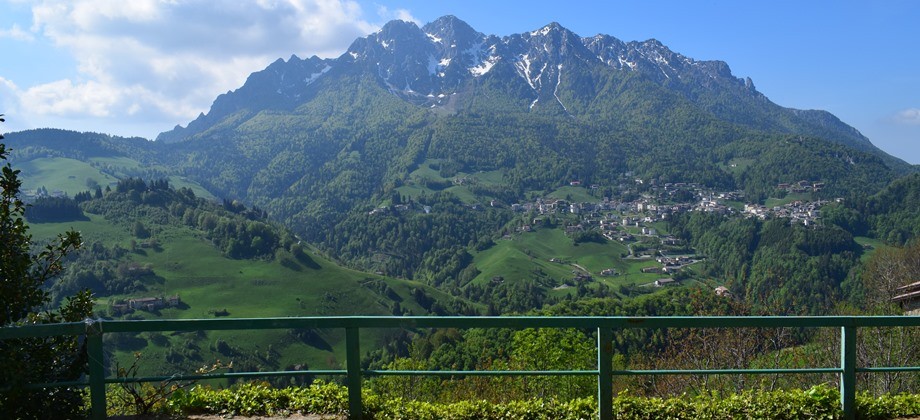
(725, 371)
(480, 372)
(42, 330)
(52, 385)
(888, 369)
(504, 322)
(177, 378)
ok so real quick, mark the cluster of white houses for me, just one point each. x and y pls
(646, 210)
(801, 186)
(654, 204)
(805, 212)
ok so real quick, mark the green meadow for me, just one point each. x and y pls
(420, 180)
(576, 194)
(211, 285)
(551, 255)
(870, 245)
(64, 174)
(73, 176)
(789, 198)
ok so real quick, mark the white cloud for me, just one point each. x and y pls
(908, 116)
(168, 60)
(400, 14)
(16, 33)
(64, 98)
(9, 96)
(9, 106)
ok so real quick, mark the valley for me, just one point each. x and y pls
(437, 170)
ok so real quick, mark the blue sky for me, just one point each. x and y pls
(140, 67)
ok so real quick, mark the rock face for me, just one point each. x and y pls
(549, 70)
(397, 155)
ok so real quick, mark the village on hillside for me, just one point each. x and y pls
(634, 212)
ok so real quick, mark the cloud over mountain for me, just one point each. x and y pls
(908, 116)
(151, 60)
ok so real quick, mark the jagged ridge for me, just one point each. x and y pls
(428, 66)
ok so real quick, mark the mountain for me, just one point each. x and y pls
(431, 65)
(406, 154)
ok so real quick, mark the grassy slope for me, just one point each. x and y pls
(416, 185)
(576, 194)
(771, 202)
(516, 259)
(68, 175)
(207, 281)
(73, 176)
(870, 245)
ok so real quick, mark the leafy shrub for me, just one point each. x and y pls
(260, 399)
(22, 275)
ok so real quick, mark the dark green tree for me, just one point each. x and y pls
(23, 301)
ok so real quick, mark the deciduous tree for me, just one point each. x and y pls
(23, 301)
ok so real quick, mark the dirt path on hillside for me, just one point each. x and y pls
(581, 268)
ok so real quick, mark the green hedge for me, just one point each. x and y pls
(257, 399)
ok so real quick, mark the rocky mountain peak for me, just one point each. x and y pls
(550, 68)
(458, 46)
(556, 39)
(449, 31)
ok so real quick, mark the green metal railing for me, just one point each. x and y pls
(95, 329)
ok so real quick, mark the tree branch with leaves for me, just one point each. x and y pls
(23, 300)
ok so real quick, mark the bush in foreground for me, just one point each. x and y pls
(260, 399)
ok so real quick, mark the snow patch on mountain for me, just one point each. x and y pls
(543, 31)
(523, 67)
(434, 39)
(315, 76)
(485, 66)
(556, 89)
(623, 61)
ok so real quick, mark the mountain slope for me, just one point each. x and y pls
(146, 240)
(539, 109)
(70, 162)
(404, 154)
(431, 65)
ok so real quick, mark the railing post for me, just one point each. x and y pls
(604, 373)
(353, 368)
(848, 376)
(96, 369)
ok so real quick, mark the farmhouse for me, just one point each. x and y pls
(153, 303)
(665, 282)
(908, 297)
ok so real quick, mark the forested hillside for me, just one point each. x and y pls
(433, 154)
(442, 171)
(378, 127)
(152, 251)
